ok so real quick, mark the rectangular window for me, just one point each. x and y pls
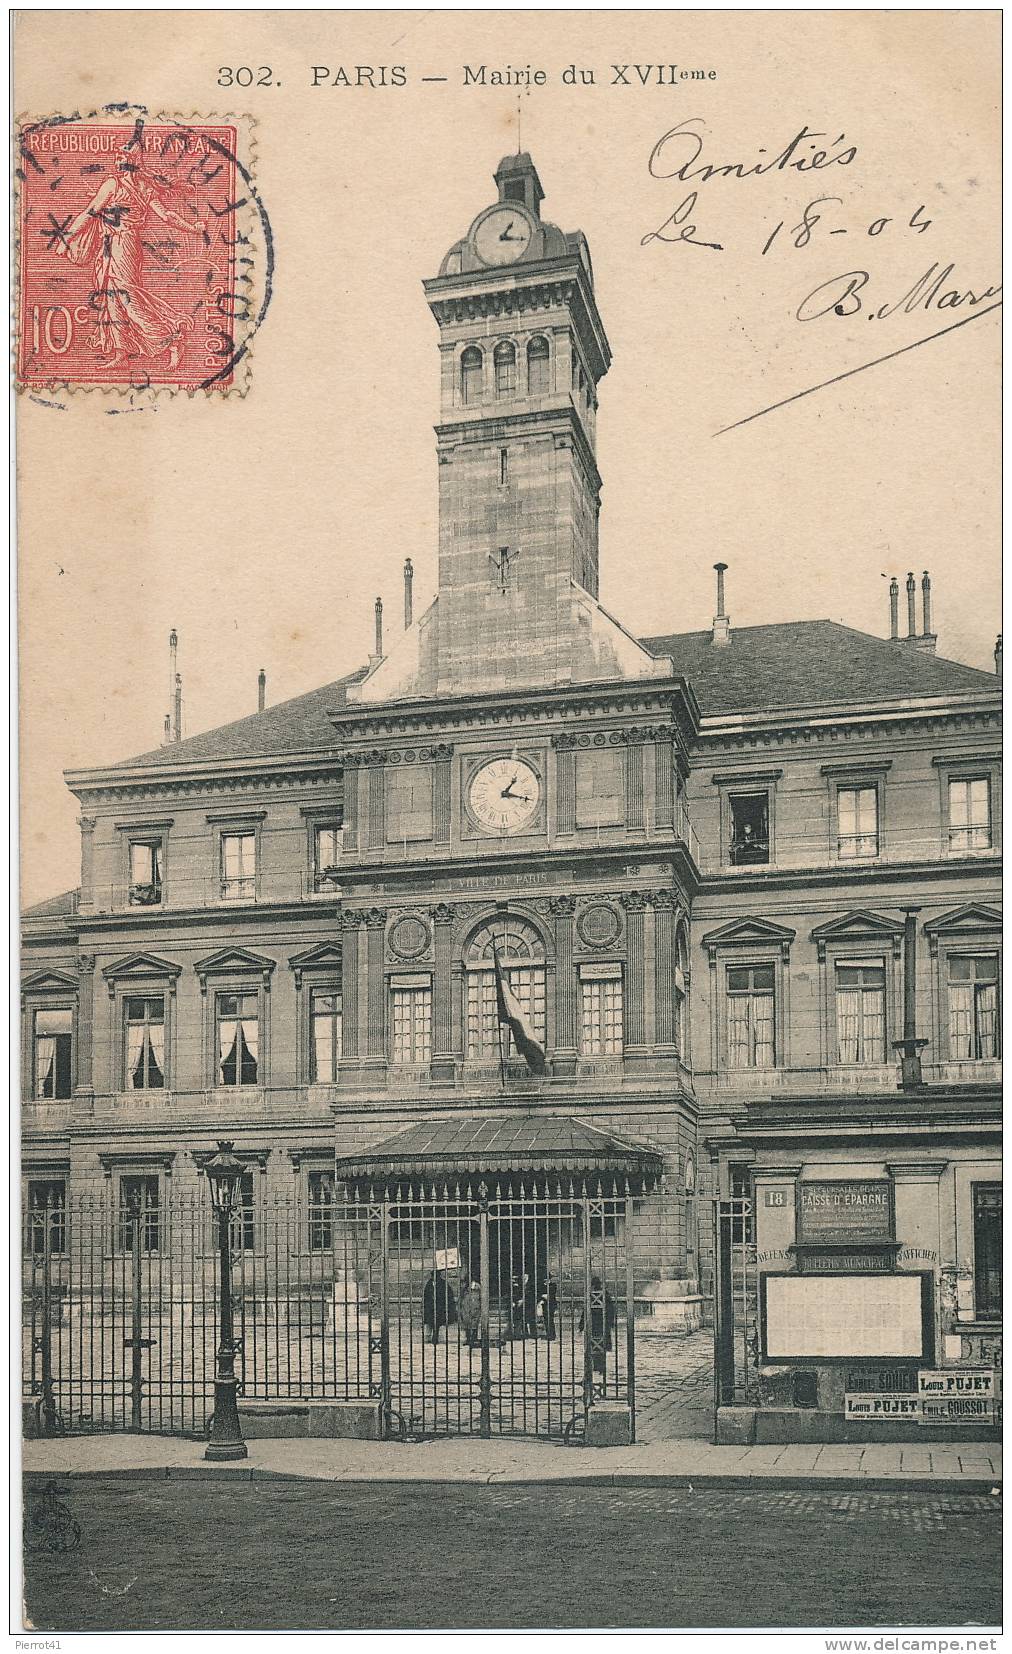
(857, 822)
(987, 1262)
(139, 1201)
(47, 1201)
(52, 1052)
(238, 867)
(411, 1024)
(324, 1036)
(970, 814)
(974, 1032)
(326, 858)
(504, 467)
(245, 1229)
(750, 1017)
(145, 872)
(860, 1013)
(750, 829)
(601, 1011)
(528, 984)
(321, 1211)
(145, 1044)
(238, 1038)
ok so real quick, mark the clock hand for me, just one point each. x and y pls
(505, 236)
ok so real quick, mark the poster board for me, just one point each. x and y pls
(846, 1317)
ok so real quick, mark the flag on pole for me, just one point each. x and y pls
(510, 1011)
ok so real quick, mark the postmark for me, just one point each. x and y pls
(145, 254)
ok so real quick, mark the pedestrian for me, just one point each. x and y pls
(517, 1307)
(530, 1306)
(470, 1313)
(602, 1322)
(548, 1304)
(439, 1308)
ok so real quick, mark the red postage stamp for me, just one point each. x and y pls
(137, 248)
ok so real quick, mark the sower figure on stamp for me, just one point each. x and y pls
(131, 320)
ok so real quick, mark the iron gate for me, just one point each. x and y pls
(736, 1303)
(465, 1311)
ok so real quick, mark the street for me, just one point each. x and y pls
(160, 1554)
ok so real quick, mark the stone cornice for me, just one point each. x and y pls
(204, 780)
(836, 726)
(755, 881)
(522, 289)
(669, 697)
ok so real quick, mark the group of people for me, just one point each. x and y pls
(533, 1310)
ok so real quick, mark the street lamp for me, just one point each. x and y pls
(224, 1176)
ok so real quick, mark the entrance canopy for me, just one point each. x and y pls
(502, 1144)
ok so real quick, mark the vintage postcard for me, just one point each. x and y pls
(509, 1133)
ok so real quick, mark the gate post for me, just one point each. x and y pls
(630, 1330)
(588, 1316)
(46, 1338)
(485, 1381)
(723, 1306)
(136, 1327)
(386, 1393)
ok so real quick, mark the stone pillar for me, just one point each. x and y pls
(86, 900)
(565, 783)
(377, 805)
(350, 809)
(84, 1082)
(634, 788)
(566, 1008)
(442, 758)
(664, 778)
(664, 972)
(635, 904)
(376, 920)
(442, 995)
(350, 921)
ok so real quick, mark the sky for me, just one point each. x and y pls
(263, 526)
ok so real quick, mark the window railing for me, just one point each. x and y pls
(146, 895)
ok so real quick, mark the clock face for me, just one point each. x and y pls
(504, 795)
(503, 235)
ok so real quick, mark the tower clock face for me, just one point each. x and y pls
(503, 235)
(504, 795)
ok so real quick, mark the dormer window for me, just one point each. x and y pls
(145, 872)
(750, 829)
(505, 362)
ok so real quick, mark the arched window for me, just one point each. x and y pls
(682, 997)
(522, 956)
(538, 367)
(505, 359)
(471, 375)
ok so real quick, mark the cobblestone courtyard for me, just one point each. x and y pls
(674, 1386)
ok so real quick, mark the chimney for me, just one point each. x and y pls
(997, 655)
(721, 624)
(167, 730)
(894, 609)
(910, 1047)
(927, 639)
(377, 654)
(409, 575)
(167, 735)
(911, 606)
(261, 690)
(177, 710)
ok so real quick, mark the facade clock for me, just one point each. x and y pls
(504, 795)
(502, 235)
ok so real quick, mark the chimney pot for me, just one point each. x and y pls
(261, 690)
(409, 575)
(721, 624)
(997, 655)
(379, 629)
(894, 608)
(177, 709)
(911, 606)
(926, 604)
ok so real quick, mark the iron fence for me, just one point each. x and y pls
(736, 1303)
(469, 1310)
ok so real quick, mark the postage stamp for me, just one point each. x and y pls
(144, 253)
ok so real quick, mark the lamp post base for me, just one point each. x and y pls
(226, 1450)
(226, 1432)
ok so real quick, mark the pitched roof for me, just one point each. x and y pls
(298, 725)
(790, 664)
(801, 663)
(501, 1143)
(53, 907)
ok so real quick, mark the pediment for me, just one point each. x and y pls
(972, 919)
(749, 933)
(140, 965)
(859, 926)
(234, 961)
(325, 956)
(49, 981)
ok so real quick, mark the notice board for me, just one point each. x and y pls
(846, 1317)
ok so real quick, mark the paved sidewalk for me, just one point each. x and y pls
(967, 1467)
